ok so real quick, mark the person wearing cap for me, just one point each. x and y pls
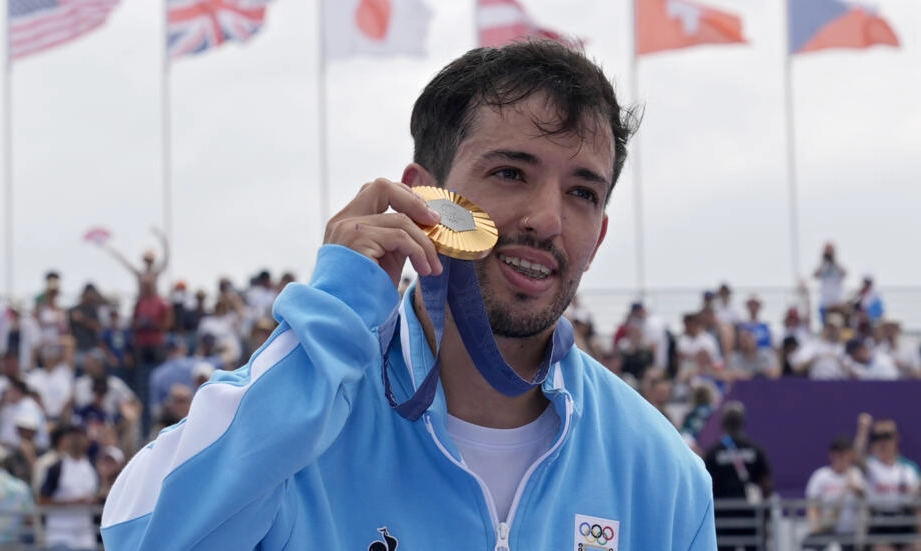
(835, 492)
(460, 417)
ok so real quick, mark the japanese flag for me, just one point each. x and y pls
(375, 27)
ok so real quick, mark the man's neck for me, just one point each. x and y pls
(469, 396)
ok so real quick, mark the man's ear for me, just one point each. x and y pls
(415, 175)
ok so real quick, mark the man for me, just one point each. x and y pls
(741, 473)
(835, 492)
(324, 442)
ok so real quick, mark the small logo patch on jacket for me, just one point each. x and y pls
(390, 543)
(595, 533)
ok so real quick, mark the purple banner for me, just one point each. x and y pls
(794, 420)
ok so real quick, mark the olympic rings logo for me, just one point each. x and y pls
(595, 533)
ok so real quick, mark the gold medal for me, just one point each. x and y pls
(465, 232)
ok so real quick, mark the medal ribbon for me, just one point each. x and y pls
(457, 287)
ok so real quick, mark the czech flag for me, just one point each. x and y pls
(673, 24)
(823, 24)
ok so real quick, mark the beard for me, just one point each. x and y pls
(516, 318)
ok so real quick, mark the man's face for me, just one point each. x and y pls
(546, 195)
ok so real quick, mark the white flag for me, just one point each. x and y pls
(375, 27)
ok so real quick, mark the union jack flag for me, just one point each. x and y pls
(194, 26)
(38, 25)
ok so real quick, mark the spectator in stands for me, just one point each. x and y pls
(726, 312)
(636, 353)
(823, 358)
(52, 319)
(261, 296)
(835, 493)
(150, 270)
(750, 361)
(177, 369)
(893, 486)
(904, 353)
(109, 463)
(755, 325)
(71, 484)
(20, 334)
(796, 325)
(740, 471)
(18, 401)
(869, 301)
(17, 508)
(699, 359)
(831, 281)
(152, 317)
(861, 363)
(655, 334)
(111, 395)
(53, 380)
(702, 402)
(85, 325)
(116, 342)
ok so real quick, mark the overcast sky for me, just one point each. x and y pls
(712, 163)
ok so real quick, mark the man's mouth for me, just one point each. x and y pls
(525, 267)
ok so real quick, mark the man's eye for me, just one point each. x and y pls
(509, 173)
(587, 194)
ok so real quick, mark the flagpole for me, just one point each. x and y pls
(790, 121)
(8, 167)
(639, 236)
(322, 124)
(166, 146)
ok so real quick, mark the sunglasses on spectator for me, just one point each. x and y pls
(882, 435)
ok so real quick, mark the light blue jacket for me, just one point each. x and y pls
(299, 449)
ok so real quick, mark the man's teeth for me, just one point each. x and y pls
(530, 269)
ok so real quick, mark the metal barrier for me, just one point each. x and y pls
(781, 525)
(772, 525)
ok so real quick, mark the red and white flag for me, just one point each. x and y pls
(97, 236)
(500, 22)
(674, 24)
(375, 27)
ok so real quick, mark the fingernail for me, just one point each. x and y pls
(435, 214)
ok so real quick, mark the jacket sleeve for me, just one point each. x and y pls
(219, 475)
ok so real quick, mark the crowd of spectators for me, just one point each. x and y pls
(82, 388)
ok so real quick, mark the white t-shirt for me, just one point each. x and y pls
(55, 386)
(73, 528)
(890, 486)
(827, 359)
(500, 457)
(837, 501)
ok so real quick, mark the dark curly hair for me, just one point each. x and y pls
(499, 77)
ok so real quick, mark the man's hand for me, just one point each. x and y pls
(388, 238)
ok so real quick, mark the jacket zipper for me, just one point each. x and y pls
(503, 529)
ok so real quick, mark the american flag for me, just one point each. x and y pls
(37, 25)
(197, 25)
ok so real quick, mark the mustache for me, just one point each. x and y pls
(528, 240)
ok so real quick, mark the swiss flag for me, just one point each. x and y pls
(500, 22)
(674, 24)
(375, 27)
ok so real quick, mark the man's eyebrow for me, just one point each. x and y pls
(510, 155)
(528, 158)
